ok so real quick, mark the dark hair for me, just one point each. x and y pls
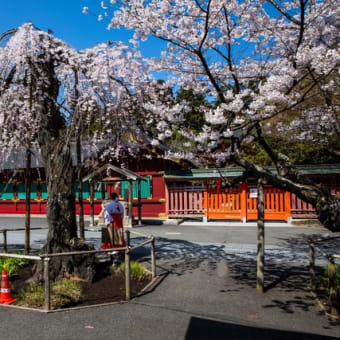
(113, 195)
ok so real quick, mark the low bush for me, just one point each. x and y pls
(137, 270)
(63, 293)
(322, 281)
(12, 264)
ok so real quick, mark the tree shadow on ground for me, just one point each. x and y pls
(300, 241)
(200, 328)
(179, 256)
(288, 282)
(13, 248)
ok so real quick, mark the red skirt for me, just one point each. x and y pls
(117, 221)
(118, 231)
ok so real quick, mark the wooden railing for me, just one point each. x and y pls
(301, 209)
(127, 250)
(185, 201)
(236, 204)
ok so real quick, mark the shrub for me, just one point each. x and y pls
(137, 270)
(323, 282)
(63, 293)
(11, 264)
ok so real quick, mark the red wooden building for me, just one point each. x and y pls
(176, 193)
(197, 193)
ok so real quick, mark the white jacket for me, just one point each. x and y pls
(114, 207)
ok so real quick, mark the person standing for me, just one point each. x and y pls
(113, 215)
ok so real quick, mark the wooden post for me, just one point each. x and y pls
(139, 203)
(128, 238)
(5, 240)
(80, 190)
(205, 206)
(28, 197)
(244, 202)
(332, 287)
(153, 258)
(127, 275)
(311, 265)
(47, 285)
(288, 212)
(260, 236)
(103, 187)
(91, 202)
(130, 203)
(167, 201)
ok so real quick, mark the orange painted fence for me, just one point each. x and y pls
(224, 205)
(231, 204)
(276, 205)
(238, 204)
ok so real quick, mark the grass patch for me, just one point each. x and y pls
(63, 293)
(137, 270)
(12, 264)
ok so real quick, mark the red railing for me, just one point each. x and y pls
(301, 209)
(185, 201)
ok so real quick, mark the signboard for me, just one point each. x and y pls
(253, 192)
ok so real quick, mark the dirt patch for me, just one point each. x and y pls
(107, 286)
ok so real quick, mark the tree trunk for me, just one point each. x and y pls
(80, 191)
(28, 200)
(61, 219)
(260, 237)
(54, 141)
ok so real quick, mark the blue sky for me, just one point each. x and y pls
(66, 20)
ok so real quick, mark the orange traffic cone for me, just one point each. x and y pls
(6, 296)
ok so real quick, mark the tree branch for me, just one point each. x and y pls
(287, 15)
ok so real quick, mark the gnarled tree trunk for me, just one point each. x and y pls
(61, 218)
(61, 213)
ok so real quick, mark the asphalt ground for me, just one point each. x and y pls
(207, 290)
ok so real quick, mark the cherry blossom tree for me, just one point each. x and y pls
(259, 62)
(51, 95)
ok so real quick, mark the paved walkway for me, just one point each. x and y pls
(207, 292)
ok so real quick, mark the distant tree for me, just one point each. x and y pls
(194, 115)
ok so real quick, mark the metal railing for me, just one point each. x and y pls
(5, 231)
(47, 257)
(331, 258)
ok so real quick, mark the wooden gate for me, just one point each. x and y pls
(225, 205)
(237, 204)
(276, 205)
